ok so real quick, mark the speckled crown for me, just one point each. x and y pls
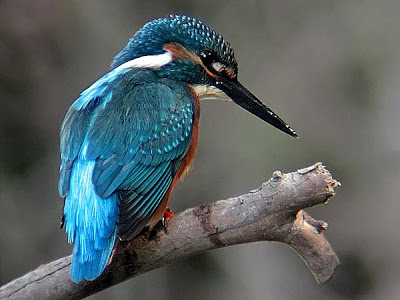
(187, 31)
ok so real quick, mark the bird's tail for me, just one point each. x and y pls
(90, 222)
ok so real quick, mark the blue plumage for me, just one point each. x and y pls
(184, 30)
(90, 223)
(120, 142)
(132, 134)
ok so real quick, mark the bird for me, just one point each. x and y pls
(132, 135)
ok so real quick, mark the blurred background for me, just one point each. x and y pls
(331, 69)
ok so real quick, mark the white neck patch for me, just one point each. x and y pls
(148, 61)
(208, 92)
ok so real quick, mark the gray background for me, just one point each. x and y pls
(331, 69)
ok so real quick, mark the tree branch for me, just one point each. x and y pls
(271, 213)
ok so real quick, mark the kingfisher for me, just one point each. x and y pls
(132, 135)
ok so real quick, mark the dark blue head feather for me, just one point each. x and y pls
(187, 31)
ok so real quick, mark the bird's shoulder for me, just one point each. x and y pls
(128, 119)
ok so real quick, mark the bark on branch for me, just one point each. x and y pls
(274, 212)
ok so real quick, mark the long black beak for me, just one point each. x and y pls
(243, 97)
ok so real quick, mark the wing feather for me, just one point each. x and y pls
(137, 139)
(136, 129)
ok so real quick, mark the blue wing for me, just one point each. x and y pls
(138, 141)
(121, 146)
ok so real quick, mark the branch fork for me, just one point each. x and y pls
(274, 212)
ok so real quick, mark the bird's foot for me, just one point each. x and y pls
(151, 232)
(167, 216)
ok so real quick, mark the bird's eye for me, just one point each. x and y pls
(207, 57)
(211, 62)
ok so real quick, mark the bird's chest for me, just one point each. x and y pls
(188, 159)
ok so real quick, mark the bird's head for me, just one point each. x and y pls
(182, 48)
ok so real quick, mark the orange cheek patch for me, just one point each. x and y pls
(179, 52)
(229, 72)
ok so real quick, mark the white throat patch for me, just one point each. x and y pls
(148, 61)
(208, 92)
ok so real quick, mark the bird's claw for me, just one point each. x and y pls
(161, 225)
(167, 216)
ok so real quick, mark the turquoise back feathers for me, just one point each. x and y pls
(121, 145)
(132, 134)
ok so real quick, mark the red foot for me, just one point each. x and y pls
(168, 215)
